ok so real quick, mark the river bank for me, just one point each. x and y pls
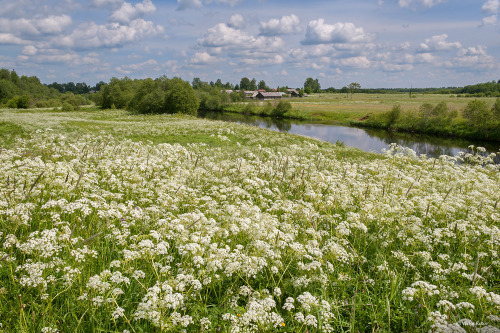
(366, 139)
(373, 111)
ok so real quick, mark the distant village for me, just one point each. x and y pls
(264, 95)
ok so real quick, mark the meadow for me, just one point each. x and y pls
(342, 108)
(115, 222)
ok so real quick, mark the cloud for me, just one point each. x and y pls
(284, 26)
(50, 25)
(127, 12)
(489, 20)
(106, 3)
(224, 35)
(11, 39)
(474, 58)
(238, 44)
(438, 43)
(424, 3)
(30, 50)
(356, 62)
(491, 6)
(236, 21)
(128, 69)
(91, 35)
(228, 2)
(186, 4)
(50, 56)
(472, 51)
(320, 33)
(203, 58)
(53, 24)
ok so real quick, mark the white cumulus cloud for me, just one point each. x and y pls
(53, 24)
(130, 68)
(224, 35)
(38, 26)
(237, 21)
(490, 20)
(127, 12)
(10, 39)
(203, 58)
(91, 35)
(238, 44)
(438, 43)
(491, 6)
(30, 50)
(357, 62)
(425, 3)
(320, 33)
(283, 26)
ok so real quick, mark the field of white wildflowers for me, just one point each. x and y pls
(108, 225)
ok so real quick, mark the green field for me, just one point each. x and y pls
(114, 222)
(340, 108)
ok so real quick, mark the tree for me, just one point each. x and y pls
(180, 97)
(7, 90)
(262, 85)
(478, 114)
(353, 87)
(313, 85)
(247, 84)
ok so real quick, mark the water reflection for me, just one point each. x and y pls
(365, 139)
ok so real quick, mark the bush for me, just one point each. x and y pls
(67, 107)
(19, 102)
(267, 109)
(393, 115)
(496, 109)
(478, 114)
(249, 108)
(280, 109)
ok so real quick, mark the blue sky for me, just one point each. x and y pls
(378, 43)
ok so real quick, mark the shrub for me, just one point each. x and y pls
(19, 102)
(477, 114)
(267, 109)
(496, 109)
(280, 109)
(393, 115)
(67, 107)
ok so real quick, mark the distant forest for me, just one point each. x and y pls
(27, 91)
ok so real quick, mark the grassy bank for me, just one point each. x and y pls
(122, 223)
(369, 110)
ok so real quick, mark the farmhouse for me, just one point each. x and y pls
(263, 96)
(293, 92)
(251, 94)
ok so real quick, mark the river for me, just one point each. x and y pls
(369, 140)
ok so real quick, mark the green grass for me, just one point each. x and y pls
(368, 110)
(114, 222)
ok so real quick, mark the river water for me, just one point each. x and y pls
(369, 140)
